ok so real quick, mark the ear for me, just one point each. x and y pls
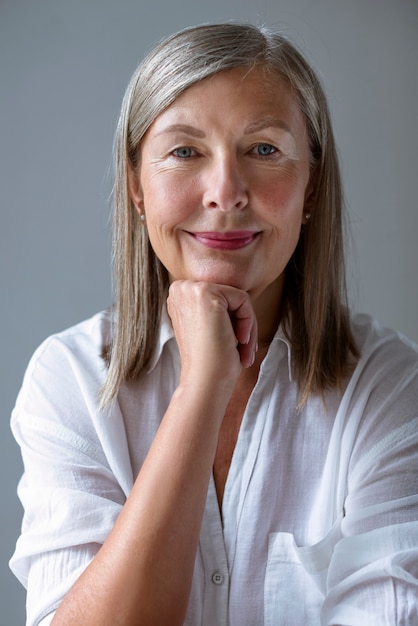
(310, 199)
(135, 189)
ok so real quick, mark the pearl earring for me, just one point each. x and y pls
(307, 216)
(142, 217)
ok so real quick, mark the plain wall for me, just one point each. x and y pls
(64, 66)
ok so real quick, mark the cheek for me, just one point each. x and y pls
(282, 201)
(168, 201)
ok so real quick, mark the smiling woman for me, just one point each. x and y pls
(228, 444)
(309, 313)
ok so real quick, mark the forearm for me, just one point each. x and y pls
(143, 572)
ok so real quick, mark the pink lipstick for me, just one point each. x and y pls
(230, 240)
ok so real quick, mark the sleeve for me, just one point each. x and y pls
(76, 472)
(373, 573)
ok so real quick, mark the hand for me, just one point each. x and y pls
(215, 327)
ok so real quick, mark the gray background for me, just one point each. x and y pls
(64, 66)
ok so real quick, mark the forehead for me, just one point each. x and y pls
(257, 75)
(253, 93)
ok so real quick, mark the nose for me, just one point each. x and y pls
(225, 185)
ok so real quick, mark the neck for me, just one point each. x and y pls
(268, 306)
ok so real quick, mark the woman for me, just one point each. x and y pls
(252, 458)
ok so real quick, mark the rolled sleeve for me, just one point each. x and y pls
(72, 491)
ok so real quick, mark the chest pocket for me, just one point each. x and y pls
(295, 580)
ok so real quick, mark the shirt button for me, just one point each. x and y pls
(217, 578)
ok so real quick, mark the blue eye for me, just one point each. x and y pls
(265, 149)
(183, 153)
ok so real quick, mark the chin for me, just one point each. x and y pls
(222, 276)
(224, 279)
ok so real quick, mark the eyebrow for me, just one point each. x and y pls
(267, 122)
(182, 128)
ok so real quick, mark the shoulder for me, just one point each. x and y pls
(67, 367)
(83, 342)
(93, 332)
(386, 348)
(381, 398)
(379, 419)
(387, 369)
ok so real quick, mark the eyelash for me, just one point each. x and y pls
(192, 152)
(273, 151)
(182, 149)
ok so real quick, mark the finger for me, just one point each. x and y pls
(247, 351)
(244, 322)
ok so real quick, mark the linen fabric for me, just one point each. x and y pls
(319, 521)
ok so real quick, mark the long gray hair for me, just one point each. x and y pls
(314, 313)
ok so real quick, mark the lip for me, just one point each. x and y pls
(229, 240)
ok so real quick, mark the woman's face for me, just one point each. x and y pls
(223, 180)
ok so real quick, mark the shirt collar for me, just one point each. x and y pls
(280, 337)
(165, 334)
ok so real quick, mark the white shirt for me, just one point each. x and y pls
(320, 507)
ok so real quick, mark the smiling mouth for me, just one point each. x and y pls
(231, 240)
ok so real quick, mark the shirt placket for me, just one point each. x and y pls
(246, 453)
(215, 563)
